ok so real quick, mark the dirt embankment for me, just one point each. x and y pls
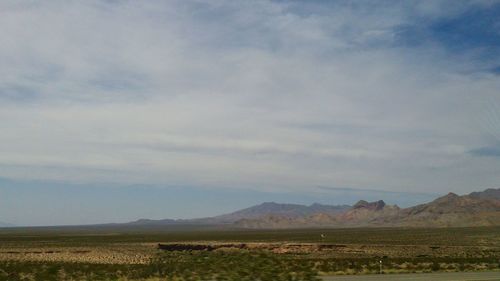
(343, 250)
(115, 254)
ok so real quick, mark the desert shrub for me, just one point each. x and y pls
(435, 266)
(243, 265)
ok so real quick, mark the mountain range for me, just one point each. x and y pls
(4, 224)
(475, 209)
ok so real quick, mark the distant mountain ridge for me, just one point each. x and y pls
(451, 210)
(4, 224)
(287, 210)
(489, 193)
(254, 212)
(454, 210)
(475, 209)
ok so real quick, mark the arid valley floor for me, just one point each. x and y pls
(198, 253)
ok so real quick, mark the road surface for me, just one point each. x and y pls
(441, 276)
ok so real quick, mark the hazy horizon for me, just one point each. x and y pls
(118, 110)
(76, 204)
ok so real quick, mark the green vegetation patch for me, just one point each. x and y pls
(179, 266)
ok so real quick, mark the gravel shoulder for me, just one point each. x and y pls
(441, 276)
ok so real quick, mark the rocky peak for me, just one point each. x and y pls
(374, 206)
(448, 198)
(489, 193)
(269, 204)
(452, 195)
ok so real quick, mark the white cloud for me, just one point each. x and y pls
(235, 94)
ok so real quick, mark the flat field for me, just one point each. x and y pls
(208, 253)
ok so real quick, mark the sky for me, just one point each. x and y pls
(116, 110)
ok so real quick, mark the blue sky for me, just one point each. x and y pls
(106, 102)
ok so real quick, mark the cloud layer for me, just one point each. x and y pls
(268, 95)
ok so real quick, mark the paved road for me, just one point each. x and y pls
(452, 276)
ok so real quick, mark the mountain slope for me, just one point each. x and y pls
(362, 213)
(366, 214)
(149, 222)
(290, 211)
(489, 193)
(451, 210)
(281, 210)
